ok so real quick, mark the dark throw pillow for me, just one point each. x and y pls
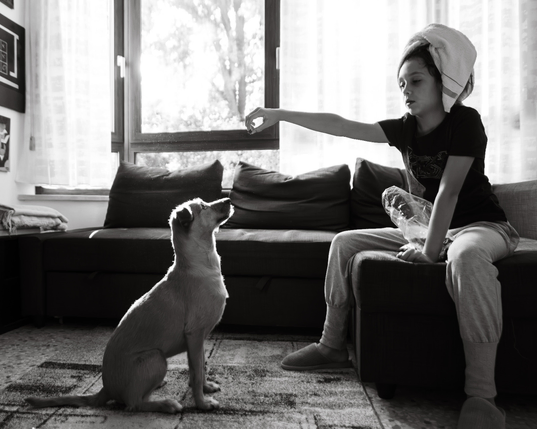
(145, 196)
(317, 200)
(369, 182)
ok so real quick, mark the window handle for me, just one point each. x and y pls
(278, 58)
(121, 65)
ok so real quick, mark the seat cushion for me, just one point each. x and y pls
(278, 253)
(383, 283)
(128, 250)
(517, 275)
(294, 253)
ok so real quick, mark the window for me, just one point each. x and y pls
(193, 70)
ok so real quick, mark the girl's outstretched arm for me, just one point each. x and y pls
(327, 123)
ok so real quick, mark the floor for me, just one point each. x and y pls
(412, 408)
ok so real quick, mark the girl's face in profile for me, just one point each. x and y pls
(422, 93)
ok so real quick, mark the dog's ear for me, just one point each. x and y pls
(185, 216)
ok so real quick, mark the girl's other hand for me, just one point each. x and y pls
(268, 117)
(411, 254)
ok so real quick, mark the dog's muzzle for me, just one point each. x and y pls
(225, 207)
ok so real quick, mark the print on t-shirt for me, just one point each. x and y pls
(427, 166)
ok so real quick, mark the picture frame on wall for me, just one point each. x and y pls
(8, 3)
(12, 84)
(5, 135)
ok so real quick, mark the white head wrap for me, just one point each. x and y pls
(454, 56)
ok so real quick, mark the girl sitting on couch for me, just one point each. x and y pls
(443, 146)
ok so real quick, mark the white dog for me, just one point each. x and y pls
(176, 315)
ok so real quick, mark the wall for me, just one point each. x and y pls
(80, 213)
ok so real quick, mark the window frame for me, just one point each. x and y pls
(126, 138)
(118, 81)
(129, 89)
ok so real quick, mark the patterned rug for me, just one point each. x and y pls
(256, 392)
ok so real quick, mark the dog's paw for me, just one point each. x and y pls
(172, 406)
(208, 404)
(211, 387)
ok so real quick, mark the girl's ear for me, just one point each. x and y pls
(185, 216)
(440, 87)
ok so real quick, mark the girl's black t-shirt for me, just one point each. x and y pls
(461, 133)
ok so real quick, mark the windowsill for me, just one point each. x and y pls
(58, 197)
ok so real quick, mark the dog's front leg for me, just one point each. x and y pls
(196, 362)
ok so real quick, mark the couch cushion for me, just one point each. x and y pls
(368, 183)
(278, 253)
(382, 283)
(145, 196)
(519, 201)
(517, 275)
(526, 244)
(318, 200)
(129, 250)
(148, 250)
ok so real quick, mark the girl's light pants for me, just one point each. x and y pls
(471, 279)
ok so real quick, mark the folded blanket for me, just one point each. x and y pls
(27, 216)
(454, 56)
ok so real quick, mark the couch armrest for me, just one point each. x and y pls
(32, 275)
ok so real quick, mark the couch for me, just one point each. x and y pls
(405, 329)
(273, 250)
(274, 255)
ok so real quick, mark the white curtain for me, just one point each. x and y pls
(68, 108)
(341, 56)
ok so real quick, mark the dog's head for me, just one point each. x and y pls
(196, 217)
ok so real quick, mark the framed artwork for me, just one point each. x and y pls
(12, 86)
(5, 134)
(8, 3)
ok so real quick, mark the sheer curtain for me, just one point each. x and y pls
(68, 109)
(341, 56)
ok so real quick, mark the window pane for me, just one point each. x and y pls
(202, 64)
(268, 159)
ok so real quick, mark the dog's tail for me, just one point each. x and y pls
(97, 400)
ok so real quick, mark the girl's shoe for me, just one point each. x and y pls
(478, 413)
(310, 359)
